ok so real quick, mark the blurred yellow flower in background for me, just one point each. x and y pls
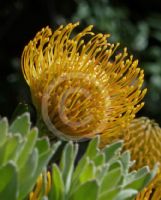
(79, 85)
(143, 139)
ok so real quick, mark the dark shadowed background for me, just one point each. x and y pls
(135, 24)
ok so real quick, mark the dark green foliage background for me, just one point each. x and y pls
(135, 24)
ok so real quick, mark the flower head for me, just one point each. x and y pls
(79, 86)
(143, 139)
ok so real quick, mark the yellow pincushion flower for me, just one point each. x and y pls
(143, 139)
(43, 181)
(79, 86)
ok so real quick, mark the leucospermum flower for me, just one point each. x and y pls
(79, 85)
(42, 187)
(143, 139)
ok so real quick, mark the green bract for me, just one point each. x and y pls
(22, 157)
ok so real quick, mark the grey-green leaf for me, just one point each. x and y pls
(87, 190)
(21, 124)
(111, 180)
(8, 182)
(57, 191)
(67, 163)
(112, 149)
(126, 194)
(3, 130)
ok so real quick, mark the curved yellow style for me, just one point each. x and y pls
(43, 181)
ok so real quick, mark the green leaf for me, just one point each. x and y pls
(130, 177)
(43, 161)
(27, 177)
(20, 109)
(88, 172)
(21, 124)
(34, 166)
(101, 172)
(99, 159)
(126, 194)
(8, 182)
(115, 164)
(29, 154)
(112, 150)
(81, 166)
(111, 180)
(141, 181)
(55, 146)
(87, 190)
(58, 190)
(92, 148)
(3, 130)
(10, 149)
(153, 173)
(109, 195)
(27, 148)
(141, 172)
(91, 152)
(42, 144)
(67, 163)
(125, 159)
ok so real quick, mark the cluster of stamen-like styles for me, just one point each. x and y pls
(143, 140)
(43, 185)
(87, 87)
